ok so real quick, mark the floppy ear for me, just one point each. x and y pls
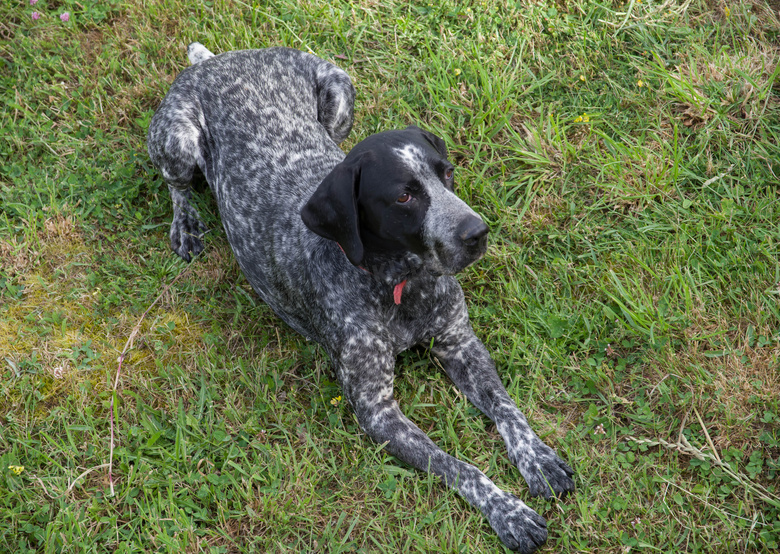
(332, 211)
(432, 139)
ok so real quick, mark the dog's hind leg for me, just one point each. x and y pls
(335, 99)
(175, 136)
(186, 228)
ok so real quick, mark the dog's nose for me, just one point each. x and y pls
(472, 232)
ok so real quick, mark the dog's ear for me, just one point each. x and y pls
(432, 139)
(332, 211)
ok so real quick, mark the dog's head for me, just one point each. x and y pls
(393, 195)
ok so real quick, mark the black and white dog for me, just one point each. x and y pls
(356, 252)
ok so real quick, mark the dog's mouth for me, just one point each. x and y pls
(453, 242)
(441, 260)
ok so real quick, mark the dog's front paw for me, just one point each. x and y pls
(186, 233)
(518, 526)
(545, 473)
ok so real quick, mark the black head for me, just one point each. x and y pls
(392, 197)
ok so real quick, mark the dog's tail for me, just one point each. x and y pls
(196, 52)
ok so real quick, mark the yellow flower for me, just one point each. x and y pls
(582, 77)
(456, 71)
(16, 469)
(578, 119)
(335, 401)
(640, 83)
(584, 118)
(727, 11)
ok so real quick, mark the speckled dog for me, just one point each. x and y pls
(356, 252)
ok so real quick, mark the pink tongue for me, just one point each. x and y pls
(397, 290)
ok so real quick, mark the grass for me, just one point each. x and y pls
(626, 158)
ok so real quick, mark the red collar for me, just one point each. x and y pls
(397, 290)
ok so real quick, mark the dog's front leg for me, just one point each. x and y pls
(468, 364)
(366, 376)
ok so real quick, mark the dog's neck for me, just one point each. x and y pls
(392, 269)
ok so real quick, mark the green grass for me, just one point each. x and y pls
(630, 295)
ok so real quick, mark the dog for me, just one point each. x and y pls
(357, 252)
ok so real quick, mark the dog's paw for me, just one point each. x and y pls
(545, 473)
(186, 234)
(518, 526)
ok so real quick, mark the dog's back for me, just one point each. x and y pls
(263, 127)
(278, 106)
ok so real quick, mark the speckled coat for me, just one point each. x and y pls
(356, 252)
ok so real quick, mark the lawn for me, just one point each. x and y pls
(626, 157)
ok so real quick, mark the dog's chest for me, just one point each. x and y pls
(422, 313)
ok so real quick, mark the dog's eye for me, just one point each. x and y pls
(404, 198)
(448, 173)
